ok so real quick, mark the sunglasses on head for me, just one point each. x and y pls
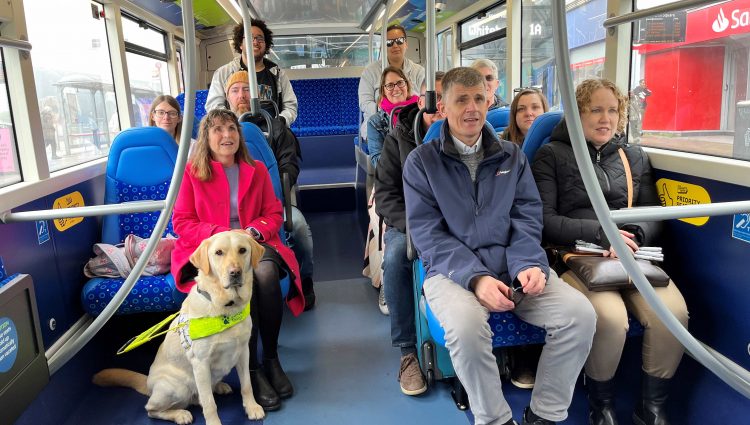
(399, 41)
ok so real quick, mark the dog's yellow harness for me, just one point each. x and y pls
(189, 329)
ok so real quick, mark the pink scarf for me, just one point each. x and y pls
(387, 106)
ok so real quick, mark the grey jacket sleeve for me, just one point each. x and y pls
(289, 99)
(366, 93)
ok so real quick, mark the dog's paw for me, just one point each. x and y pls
(183, 417)
(255, 411)
(222, 388)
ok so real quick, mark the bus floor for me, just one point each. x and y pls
(338, 355)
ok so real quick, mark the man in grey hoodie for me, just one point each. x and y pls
(273, 84)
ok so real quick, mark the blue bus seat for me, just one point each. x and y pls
(261, 151)
(539, 132)
(337, 115)
(200, 108)
(499, 118)
(140, 166)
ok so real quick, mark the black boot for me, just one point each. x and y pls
(651, 409)
(530, 418)
(601, 402)
(308, 292)
(264, 393)
(278, 378)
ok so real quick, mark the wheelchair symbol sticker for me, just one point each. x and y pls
(741, 227)
(42, 231)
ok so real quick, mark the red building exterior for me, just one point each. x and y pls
(687, 79)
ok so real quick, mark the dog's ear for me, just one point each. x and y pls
(200, 257)
(257, 251)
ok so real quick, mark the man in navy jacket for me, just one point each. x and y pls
(475, 217)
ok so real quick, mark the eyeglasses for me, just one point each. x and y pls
(171, 114)
(259, 40)
(489, 78)
(399, 41)
(530, 88)
(515, 292)
(390, 86)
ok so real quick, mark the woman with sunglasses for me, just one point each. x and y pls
(396, 48)
(165, 114)
(395, 91)
(528, 104)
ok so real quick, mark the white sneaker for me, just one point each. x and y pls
(381, 300)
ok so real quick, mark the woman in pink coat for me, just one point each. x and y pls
(224, 189)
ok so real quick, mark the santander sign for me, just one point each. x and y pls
(738, 18)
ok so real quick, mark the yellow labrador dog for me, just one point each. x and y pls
(186, 371)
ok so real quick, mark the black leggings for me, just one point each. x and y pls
(266, 311)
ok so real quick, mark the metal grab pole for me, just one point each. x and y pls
(431, 41)
(90, 211)
(384, 35)
(572, 117)
(248, 50)
(74, 345)
(645, 13)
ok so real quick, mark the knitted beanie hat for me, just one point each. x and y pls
(237, 77)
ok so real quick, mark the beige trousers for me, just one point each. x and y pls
(661, 351)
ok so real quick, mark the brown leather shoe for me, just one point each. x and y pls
(410, 376)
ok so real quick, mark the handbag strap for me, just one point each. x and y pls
(628, 175)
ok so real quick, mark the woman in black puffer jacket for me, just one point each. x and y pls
(568, 216)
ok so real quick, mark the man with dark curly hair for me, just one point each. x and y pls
(273, 83)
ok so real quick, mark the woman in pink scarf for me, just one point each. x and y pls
(395, 91)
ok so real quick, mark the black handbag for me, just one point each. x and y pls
(606, 273)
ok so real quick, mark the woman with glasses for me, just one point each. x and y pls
(569, 216)
(396, 48)
(395, 91)
(165, 114)
(528, 104)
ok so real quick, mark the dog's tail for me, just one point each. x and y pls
(121, 378)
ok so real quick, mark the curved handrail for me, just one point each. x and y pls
(720, 366)
(645, 13)
(74, 345)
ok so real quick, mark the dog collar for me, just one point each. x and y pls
(188, 329)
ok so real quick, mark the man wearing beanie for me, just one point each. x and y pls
(273, 84)
(285, 147)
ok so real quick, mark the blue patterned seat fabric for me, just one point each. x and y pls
(140, 166)
(338, 114)
(200, 108)
(326, 107)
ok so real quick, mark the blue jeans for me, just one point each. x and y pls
(301, 242)
(399, 295)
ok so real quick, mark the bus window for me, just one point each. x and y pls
(445, 50)
(321, 51)
(689, 80)
(585, 41)
(9, 170)
(146, 56)
(72, 79)
(483, 37)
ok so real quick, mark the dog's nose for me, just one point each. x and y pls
(235, 277)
